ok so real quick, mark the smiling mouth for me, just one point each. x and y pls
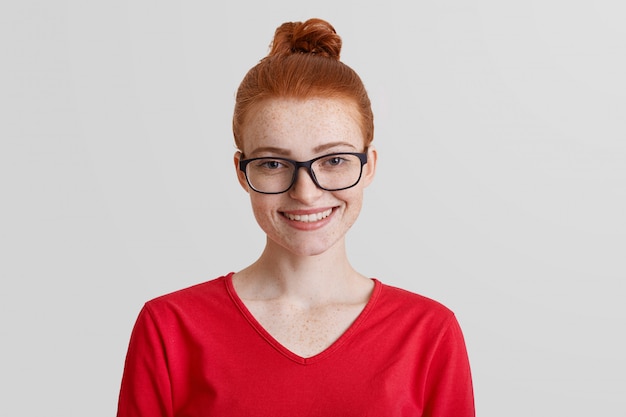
(308, 218)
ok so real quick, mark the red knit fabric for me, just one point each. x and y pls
(199, 352)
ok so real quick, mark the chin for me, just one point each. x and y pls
(305, 248)
(310, 251)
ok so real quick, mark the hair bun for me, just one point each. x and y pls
(314, 36)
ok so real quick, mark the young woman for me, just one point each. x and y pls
(299, 332)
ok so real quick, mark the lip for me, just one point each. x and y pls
(311, 219)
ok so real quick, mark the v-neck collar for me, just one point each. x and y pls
(345, 336)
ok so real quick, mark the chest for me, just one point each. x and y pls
(359, 378)
(305, 332)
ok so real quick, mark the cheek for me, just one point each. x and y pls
(354, 202)
(262, 208)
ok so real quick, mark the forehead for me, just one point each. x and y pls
(298, 125)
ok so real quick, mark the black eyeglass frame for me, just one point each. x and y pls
(243, 164)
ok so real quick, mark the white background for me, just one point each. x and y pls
(501, 188)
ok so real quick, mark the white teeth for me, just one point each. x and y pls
(307, 218)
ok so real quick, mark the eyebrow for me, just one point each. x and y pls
(287, 152)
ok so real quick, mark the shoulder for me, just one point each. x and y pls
(412, 323)
(405, 299)
(412, 308)
(204, 296)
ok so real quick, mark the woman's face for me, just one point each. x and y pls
(305, 220)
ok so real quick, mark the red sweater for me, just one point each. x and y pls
(198, 352)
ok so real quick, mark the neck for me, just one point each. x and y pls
(306, 279)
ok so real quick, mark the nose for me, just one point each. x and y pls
(304, 188)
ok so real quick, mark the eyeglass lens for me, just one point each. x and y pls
(330, 172)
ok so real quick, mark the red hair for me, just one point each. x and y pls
(303, 63)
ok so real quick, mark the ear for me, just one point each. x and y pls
(369, 169)
(240, 174)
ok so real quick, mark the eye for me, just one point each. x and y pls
(270, 164)
(333, 161)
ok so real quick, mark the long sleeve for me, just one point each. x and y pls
(198, 352)
(145, 388)
(449, 390)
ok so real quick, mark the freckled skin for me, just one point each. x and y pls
(302, 289)
(299, 127)
(305, 331)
